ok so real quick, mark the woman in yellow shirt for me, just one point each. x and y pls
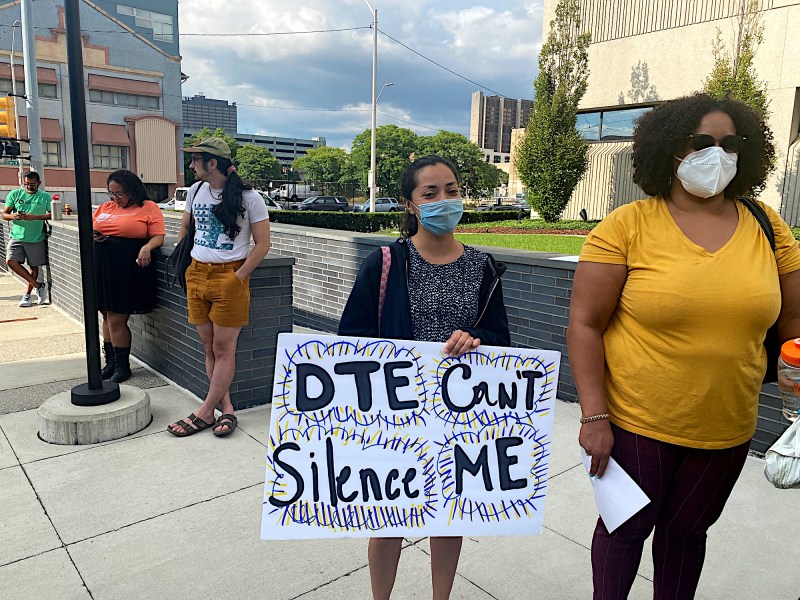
(672, 298)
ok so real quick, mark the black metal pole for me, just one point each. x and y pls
(97, 391)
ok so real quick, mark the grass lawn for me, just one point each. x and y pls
(560, 244)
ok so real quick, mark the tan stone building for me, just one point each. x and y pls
(648, 51)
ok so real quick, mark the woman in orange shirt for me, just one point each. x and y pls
(127, 229)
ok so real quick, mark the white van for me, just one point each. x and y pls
(179, 198)
(294, 192)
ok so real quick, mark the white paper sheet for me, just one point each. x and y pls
(617, 496)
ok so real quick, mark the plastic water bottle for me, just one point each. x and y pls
(789, 378)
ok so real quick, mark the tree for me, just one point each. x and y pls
(551, 158)
(256, 162)
(322, 164)
(394, 146)
(205, 132)
(479, 178)
(734, 74)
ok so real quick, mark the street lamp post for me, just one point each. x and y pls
(371, 175)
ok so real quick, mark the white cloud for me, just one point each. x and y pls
(496, 46)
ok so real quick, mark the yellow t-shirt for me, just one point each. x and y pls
(684, 348)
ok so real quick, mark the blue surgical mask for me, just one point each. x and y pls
(442, 216)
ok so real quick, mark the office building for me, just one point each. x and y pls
(200, 112)
(132, 89)
(154, 20)
(644, 52)
(492, 119)
(283, 148)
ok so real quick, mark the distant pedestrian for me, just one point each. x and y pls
(226, 212)
(127, 229)
(437, 290)
(27, 208)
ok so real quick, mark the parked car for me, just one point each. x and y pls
(522, 208)
(335, 203)
(381, 205)
(166, 204)
(271, 204)
(179, 198)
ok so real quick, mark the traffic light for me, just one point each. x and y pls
(8, 128)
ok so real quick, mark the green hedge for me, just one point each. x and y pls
(369, 222)
(347, 221)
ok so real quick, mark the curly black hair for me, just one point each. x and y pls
(662, 132)
(131, 184)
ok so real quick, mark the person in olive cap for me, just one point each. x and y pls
(226, 212)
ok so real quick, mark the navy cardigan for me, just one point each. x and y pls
(360, 316)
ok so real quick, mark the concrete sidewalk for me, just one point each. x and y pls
(154, 516)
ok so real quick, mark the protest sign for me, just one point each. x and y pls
(390, 438)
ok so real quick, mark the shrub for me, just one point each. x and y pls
(372, 222)
(347, 221)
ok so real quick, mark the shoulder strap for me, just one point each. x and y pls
(386, 264)
(763, 220)
(191, 194)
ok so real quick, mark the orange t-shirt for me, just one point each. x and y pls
(133, 222)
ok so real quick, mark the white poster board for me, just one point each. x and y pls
(390, 438)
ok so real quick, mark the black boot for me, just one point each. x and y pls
(123, 370)
(111, 361)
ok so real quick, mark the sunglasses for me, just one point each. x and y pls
(730, 143)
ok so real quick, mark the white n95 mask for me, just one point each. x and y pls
(707, 172)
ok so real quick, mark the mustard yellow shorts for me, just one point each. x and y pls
(214, 294)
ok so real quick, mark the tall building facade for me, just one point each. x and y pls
(132, 89)
(154, 20)
(644, 52)
(492, 119)
(200, 112)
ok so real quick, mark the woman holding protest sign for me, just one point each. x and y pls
(672, 299)
(427, 286)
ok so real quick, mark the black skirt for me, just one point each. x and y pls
(123, 286)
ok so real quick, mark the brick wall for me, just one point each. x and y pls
(166, 342)
(536, 291)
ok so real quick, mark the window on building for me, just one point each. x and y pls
(51, 154)
(160, 23)
(618, 124)
(496, 158)
(120, 99)
(46, 90)
(588, 126)
(109, 157)
(507, 159)
(609, 125)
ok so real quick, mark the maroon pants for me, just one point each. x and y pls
(688, 489)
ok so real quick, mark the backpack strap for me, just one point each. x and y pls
(386, 264)
(762, 218)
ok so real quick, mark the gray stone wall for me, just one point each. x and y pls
(535, 287)
(536, 290)
(166, 342)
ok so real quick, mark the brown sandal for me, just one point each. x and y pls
(195, 425)
(225, 420)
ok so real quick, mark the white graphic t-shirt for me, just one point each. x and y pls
(211, 245)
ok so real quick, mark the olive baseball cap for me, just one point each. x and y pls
(212, 145)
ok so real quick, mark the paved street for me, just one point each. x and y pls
(154, 516)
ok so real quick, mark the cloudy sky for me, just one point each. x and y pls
(319, 84)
